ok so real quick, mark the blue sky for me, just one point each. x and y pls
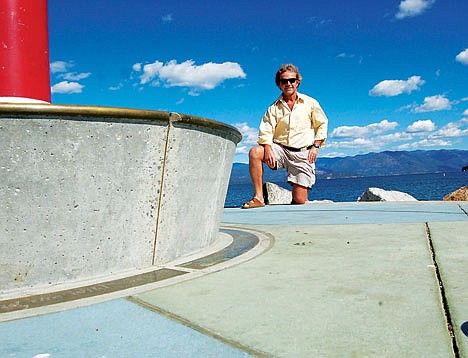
(390, 74)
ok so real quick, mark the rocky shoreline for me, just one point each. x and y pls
(276, 195)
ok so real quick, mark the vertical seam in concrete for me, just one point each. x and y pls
(445, 305)
(462, 209)
(161, 186)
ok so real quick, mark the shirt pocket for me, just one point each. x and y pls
(283, 124)
(302, 119)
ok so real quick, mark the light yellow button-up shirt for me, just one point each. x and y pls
(295, 128)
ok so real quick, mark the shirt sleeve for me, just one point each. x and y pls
(320, 123)
(267, 128)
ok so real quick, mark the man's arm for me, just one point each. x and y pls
(265, 138)
(313, 152)
(269, 157)
(320, 124)
(267, 127)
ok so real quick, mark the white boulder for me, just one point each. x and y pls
(377, 194)
(276, 195)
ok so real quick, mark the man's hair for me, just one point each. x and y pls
(287, 67)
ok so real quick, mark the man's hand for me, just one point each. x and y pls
(313, 154)
(269, 157)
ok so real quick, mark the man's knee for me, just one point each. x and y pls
(298, 201)
(256, 152)
(299, 194)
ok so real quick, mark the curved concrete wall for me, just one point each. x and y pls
(92, 191)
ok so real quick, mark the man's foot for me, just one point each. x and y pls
(253, 203)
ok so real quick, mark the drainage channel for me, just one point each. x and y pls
(445, 305)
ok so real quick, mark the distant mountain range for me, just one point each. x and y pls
(372, 164)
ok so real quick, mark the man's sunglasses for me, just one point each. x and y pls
(283, 81)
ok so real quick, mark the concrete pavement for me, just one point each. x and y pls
(318, 280)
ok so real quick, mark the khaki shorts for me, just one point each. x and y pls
(300, 171)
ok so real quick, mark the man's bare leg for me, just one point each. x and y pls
(299, 194)
(256, 155)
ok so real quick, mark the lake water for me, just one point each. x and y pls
(421, 186)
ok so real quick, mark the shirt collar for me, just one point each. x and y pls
(300, 98)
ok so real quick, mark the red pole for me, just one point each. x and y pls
(24, 50)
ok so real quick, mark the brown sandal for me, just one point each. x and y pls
(253, 203)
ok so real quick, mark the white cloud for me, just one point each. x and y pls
(375, 143)
(462, 57)
(249, 134)
(452, 129)
(404, 108)
(116, 88)
(333, 154)
(351, 56)
(167, 19)
(249, 137)
(318, 22)
(369, 130)
(411, 8)
(60, 66)
(345, 55)
(66, 87)
(187, 74)
(70, 85)
(242, 149)
(434, 103)
(394, 137)
(391, 88)
(421, 126)
(73, 76)
(418, 135)
(425, 143)
(355, 144)
(466, 112)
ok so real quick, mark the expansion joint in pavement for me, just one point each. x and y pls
(442, 294)
(197, 327)
(461, 208)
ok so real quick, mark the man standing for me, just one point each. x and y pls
(292, 130)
